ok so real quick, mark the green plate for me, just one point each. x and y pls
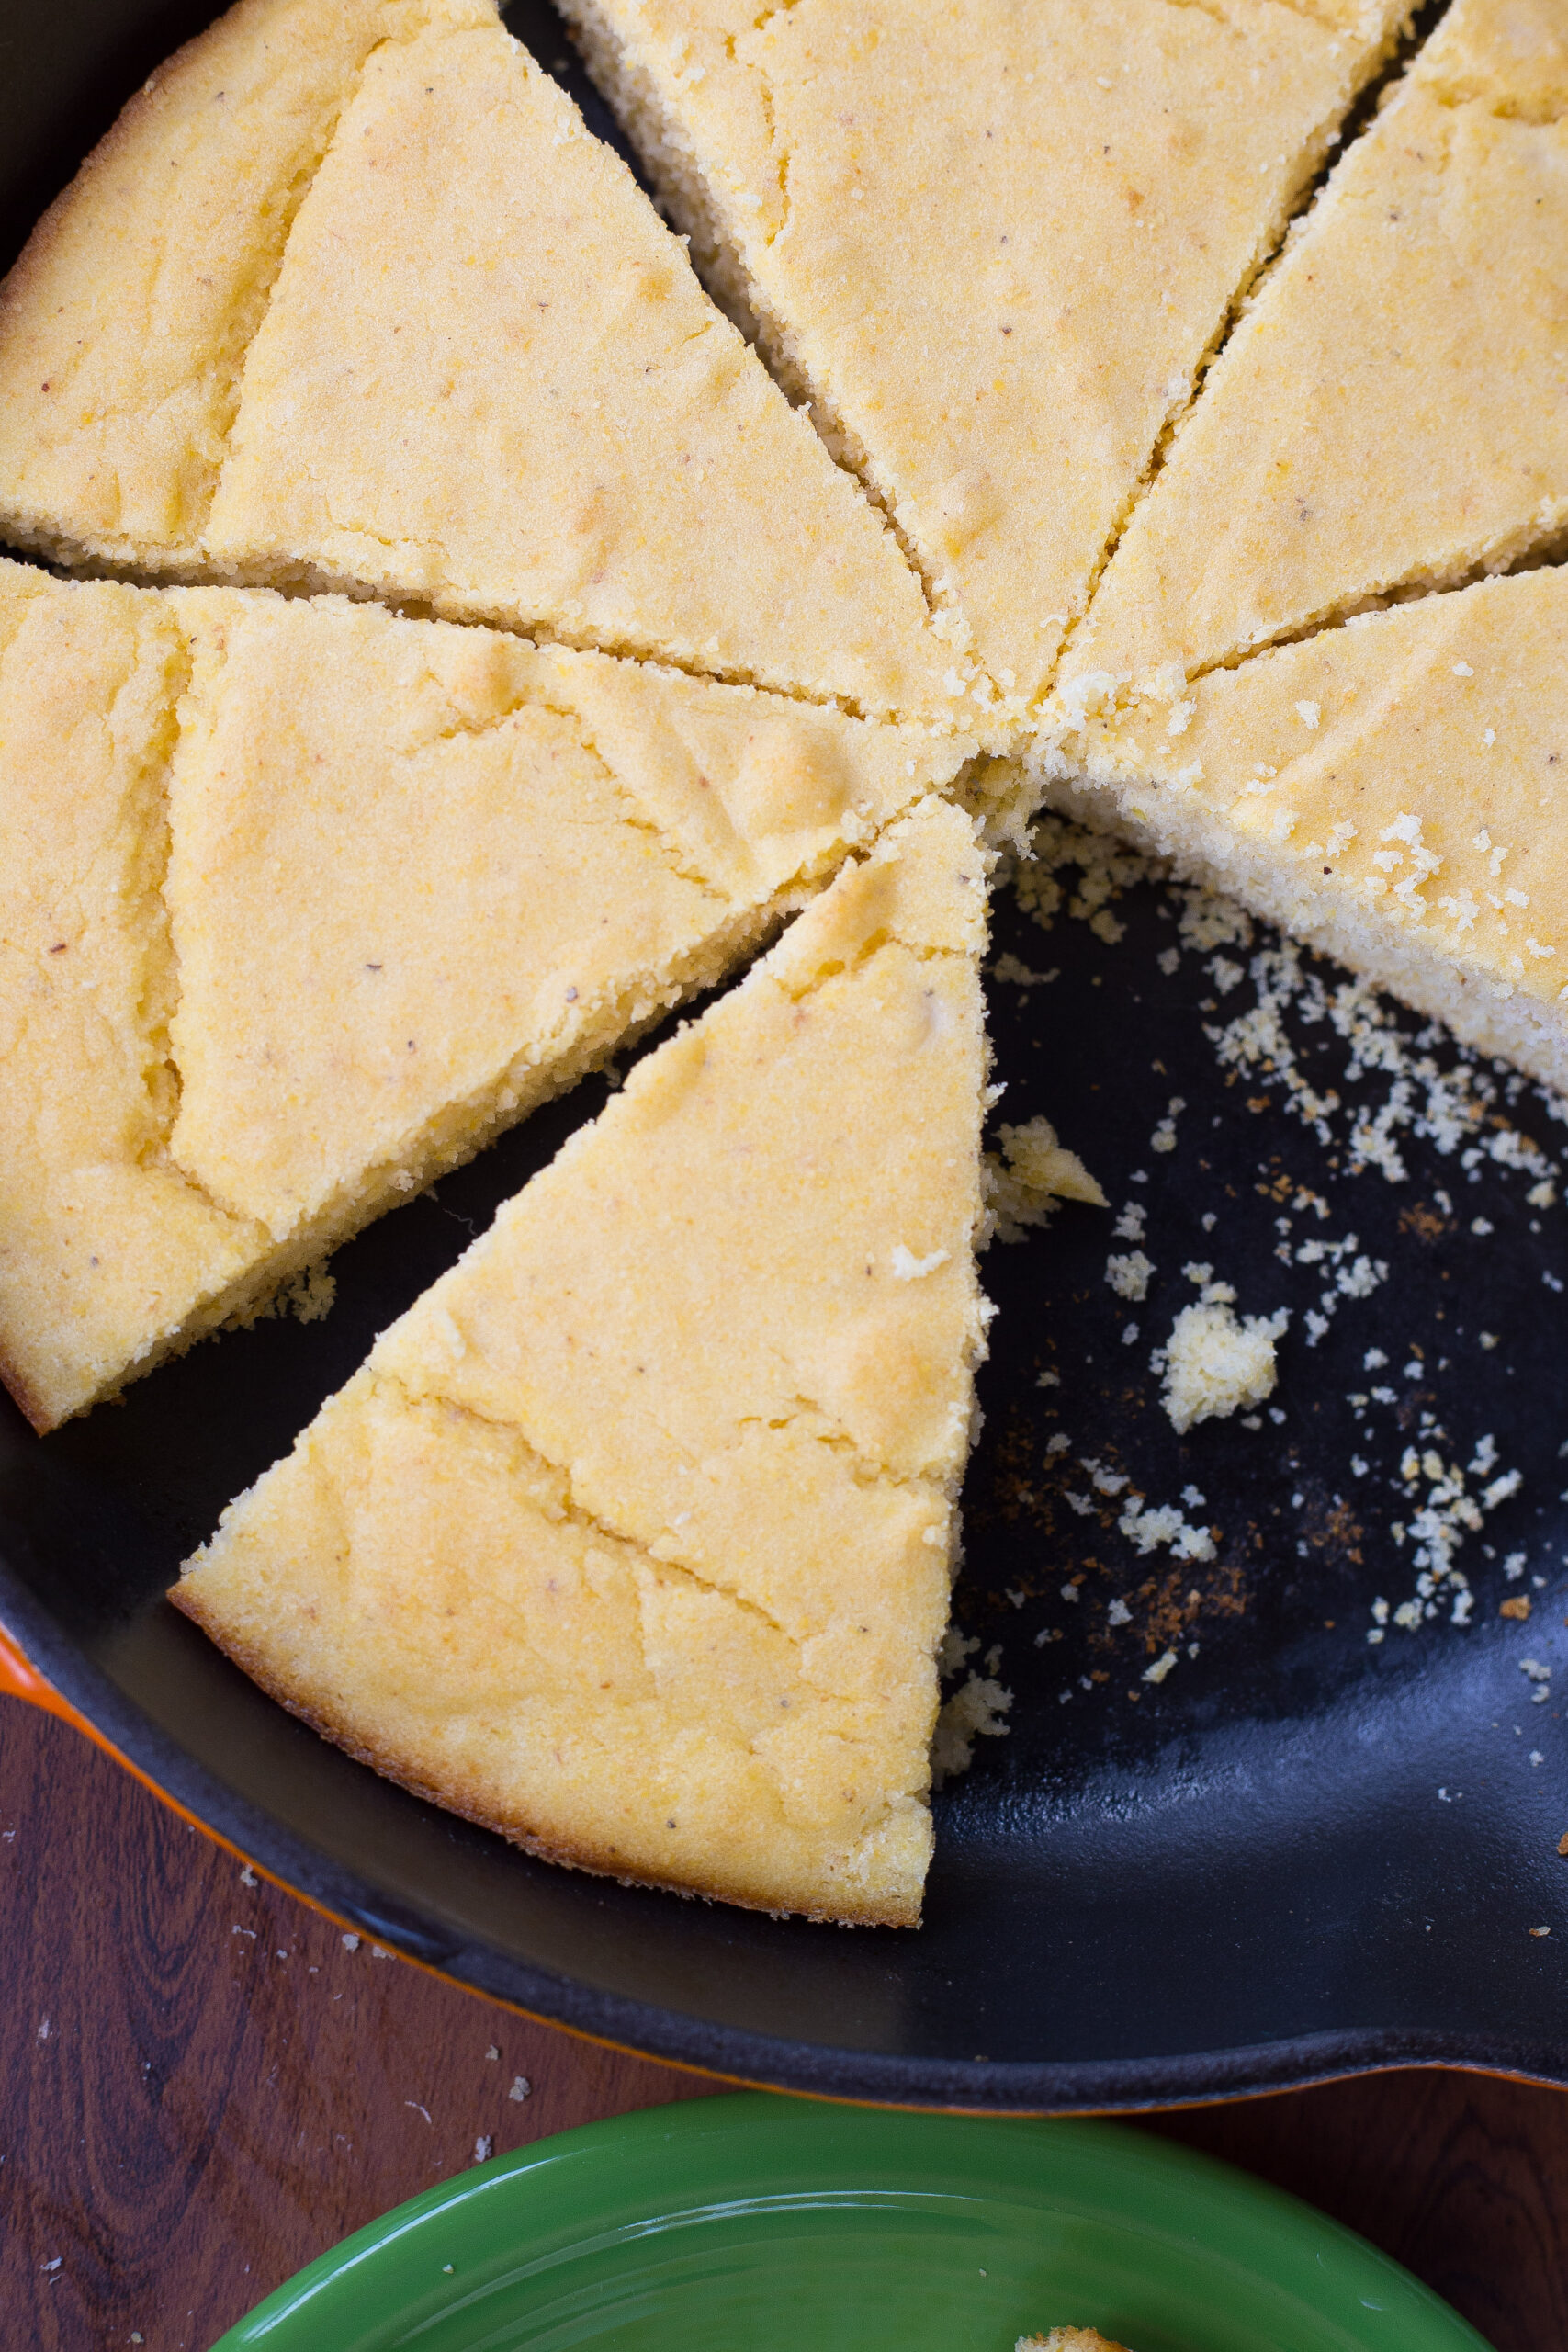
(758, 2222)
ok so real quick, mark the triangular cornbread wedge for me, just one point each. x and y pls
(123, 327)
(304, 901)
(632, 1539)
(479, 372)
(990, 241)
(1393, 793)
(104, 1245)
(1392, 412)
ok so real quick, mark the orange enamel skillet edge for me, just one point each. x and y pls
(19, 1678)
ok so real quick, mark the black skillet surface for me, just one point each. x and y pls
(1298, 1851)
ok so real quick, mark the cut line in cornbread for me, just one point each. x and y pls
(632, 1539)
(1392, 415)
(1393, 792)
(448, 354)
(989, 241)
(302, 903)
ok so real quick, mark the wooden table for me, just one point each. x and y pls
(201, 2087)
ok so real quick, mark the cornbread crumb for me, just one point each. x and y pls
(1215, 1365)
(1033, 1172)
(974, 1711)
(1068, 2339)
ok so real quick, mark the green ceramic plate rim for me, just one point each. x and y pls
(662, 2162)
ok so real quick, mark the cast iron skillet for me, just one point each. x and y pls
(1299, 1853)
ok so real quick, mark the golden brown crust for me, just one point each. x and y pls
(24, 1396)
(255, 1663)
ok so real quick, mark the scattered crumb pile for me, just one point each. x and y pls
(1214, 1364)
(1380, 1094)
(1032, 1174)
(1460, 1105)
(1450, 1508)
(975, 1709)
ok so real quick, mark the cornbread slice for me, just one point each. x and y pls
(304, 901)
(488, 378)
(105, 1246)
(123, 326)
(632, 1539)
(1390, 792)
(1393, 414)
(990, 240)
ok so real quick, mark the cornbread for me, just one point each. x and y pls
(104, 1245)
(124, 325)
(632, 1539)
(990, 241)
(451, 356)
(1068, 2339)
(304, 901)
(1391, 414)
(1389, 792)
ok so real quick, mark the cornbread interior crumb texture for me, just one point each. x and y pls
(989, 240)
(632, 1539)
(1392, 412)
(226, 1044)
(446, 352)
(1390, 791)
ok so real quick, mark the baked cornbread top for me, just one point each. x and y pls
(124, 325)
(992, 240)
(632, 1537)
(1418, 758)
(488, 378)
(302, 902)
(412, 863)
(352, 296)
(1393, 412)
(102, 1242)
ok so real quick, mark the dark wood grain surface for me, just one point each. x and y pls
(201, 2086)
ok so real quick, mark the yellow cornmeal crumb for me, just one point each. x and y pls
(1068, 2339)
(632, 1538)
(123, 327)
(303, 901)
(1031, 1173)
(1389, 792)
(1042, 1164)
(1392, 411)
(1215, 1365)
(990, 243)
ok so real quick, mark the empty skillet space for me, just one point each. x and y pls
(1244, 1872)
